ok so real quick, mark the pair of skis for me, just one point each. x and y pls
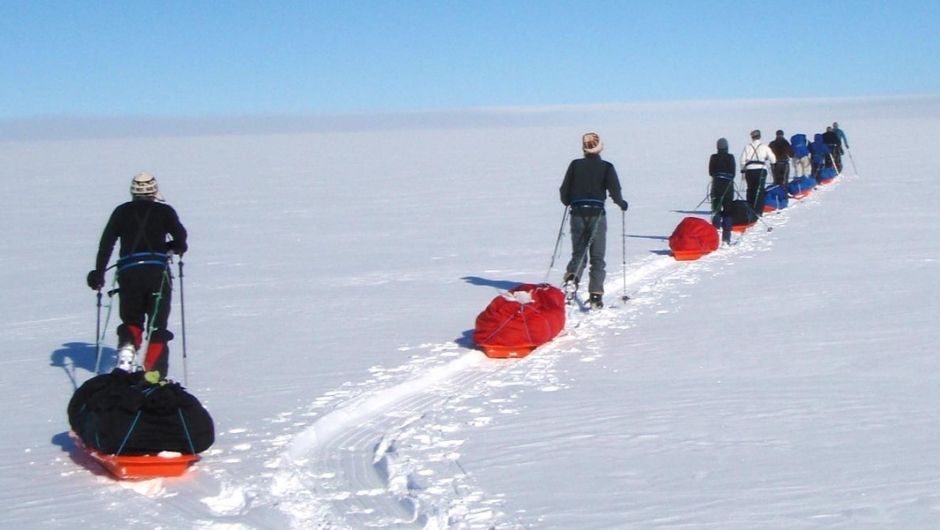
(573, 298)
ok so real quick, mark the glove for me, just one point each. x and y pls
(95, 280)
(623, 205)
(176, 247)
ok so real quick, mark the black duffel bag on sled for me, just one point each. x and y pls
(122, 413)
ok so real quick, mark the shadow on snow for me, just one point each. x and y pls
(74, 355)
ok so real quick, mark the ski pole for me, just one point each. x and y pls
(183, 323)
(852, 160)
(107, 318)
(623, 246)
(98, 334)
(832, 158)
(708, 195)
(551, 265)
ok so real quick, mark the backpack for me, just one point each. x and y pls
(800, 149)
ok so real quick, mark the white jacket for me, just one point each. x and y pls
(757, 156)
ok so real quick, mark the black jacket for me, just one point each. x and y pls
(722, 164)
(142, 225)
(782, 149)
(589, 180)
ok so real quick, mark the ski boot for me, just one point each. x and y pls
(596, 301)
(127, 357)
(570, 287)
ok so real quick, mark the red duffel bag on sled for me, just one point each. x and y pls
(693, 238)
(520, 320)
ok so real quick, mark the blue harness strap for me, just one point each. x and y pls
(591, 203)
(138, 259)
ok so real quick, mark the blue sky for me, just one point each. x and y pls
(196, 58)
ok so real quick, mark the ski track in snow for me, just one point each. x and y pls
(385, 453)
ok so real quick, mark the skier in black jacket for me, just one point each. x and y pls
(831, 138)
(721, 167)
(783, 151)
(142, 225)
(585, 188)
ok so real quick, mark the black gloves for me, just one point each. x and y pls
(95, 279)
(176, 247)
(623, 205)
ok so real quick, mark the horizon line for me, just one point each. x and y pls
(57, 127)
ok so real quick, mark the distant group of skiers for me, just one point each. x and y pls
(589, 181)
(825, 150)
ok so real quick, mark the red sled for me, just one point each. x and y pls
(741, 228)
(140, 467)
(520, 320)
(692, 239)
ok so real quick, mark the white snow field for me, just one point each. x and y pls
(334, 274)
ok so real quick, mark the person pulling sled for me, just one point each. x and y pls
(143, 226)
(721, 167)
(755, 159)
(584, 190)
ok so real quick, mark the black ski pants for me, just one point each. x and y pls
(781, 170)
(722, 201)
(756, 183)
(145, 293)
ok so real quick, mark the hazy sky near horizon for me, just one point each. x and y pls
(198, 58)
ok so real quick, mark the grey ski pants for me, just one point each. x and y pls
(589, 245)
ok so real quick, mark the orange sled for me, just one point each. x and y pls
(741, 228)
(507, 352)
(139, 467)
(688, 255)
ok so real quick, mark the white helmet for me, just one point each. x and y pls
(144, 185)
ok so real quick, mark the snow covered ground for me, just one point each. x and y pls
(334, 276)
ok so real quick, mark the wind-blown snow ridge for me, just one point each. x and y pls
(336, 422)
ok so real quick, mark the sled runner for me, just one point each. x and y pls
(139, 467)
(692, 239)
(827, 175)
(508, 352)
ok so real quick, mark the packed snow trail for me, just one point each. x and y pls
(387, 454)
(390, 458)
